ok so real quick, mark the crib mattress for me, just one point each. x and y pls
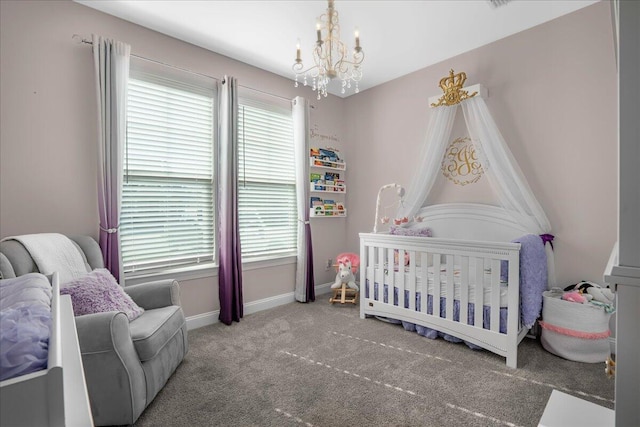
(457, 288)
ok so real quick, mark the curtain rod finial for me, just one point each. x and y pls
(80, 39)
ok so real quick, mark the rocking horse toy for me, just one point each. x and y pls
(345, 288)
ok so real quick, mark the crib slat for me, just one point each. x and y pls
(411, 285)
(436, 284)
(464, 289)
(479, 300)
(424, 281)
(371, 273)
(390, 276)
(495, 295)
(381, 274)
(400, 278)
(450, 293)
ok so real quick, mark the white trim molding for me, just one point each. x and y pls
(205, 319)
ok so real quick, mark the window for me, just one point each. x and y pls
(266, 182)
(168, 195)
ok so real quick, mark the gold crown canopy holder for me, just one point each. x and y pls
(452, 88)
(460, 159)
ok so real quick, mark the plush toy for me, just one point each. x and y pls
(406, 258)
(575, 296)
(347, 267)
(597, 292)
(601, 294)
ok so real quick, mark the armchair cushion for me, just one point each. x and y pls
(98, 292)
(154, 329)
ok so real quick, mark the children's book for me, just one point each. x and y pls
(316, 201)
(331, 176)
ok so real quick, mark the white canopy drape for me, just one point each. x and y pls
(499, 165)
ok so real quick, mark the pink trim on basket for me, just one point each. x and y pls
(572, 333)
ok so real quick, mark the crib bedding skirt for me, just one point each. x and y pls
(433, 333)
(457, 274)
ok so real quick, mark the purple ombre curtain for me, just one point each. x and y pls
(230, 270)
(305, 284)
(111, 61)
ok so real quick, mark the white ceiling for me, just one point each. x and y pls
(398, 37)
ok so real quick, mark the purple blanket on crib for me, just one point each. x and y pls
(533, 277)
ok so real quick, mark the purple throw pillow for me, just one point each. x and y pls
(98, 292)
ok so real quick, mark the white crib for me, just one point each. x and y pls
(445, 265)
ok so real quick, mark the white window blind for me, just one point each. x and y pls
(167, 217)
(266, 182)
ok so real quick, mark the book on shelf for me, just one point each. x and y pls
(319, 186)
(330, 154)
(331, 176)
(316, 201)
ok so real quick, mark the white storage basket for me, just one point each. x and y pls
(574, 331)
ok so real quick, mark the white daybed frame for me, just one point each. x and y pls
(487, 231)
(56, 396)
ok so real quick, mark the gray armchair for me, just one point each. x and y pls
(125, 363)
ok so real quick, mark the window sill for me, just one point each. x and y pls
(204, 271)
(186, 273)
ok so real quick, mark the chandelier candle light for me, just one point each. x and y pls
(330, 57)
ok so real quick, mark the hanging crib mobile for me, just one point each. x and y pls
(385, 219)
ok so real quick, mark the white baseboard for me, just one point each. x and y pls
(324, 288)
(267, 303)
(205, 319)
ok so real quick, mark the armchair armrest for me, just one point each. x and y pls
(114, 375)
(156, 294)
(102, 331)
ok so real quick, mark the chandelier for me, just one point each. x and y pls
(330, 57)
